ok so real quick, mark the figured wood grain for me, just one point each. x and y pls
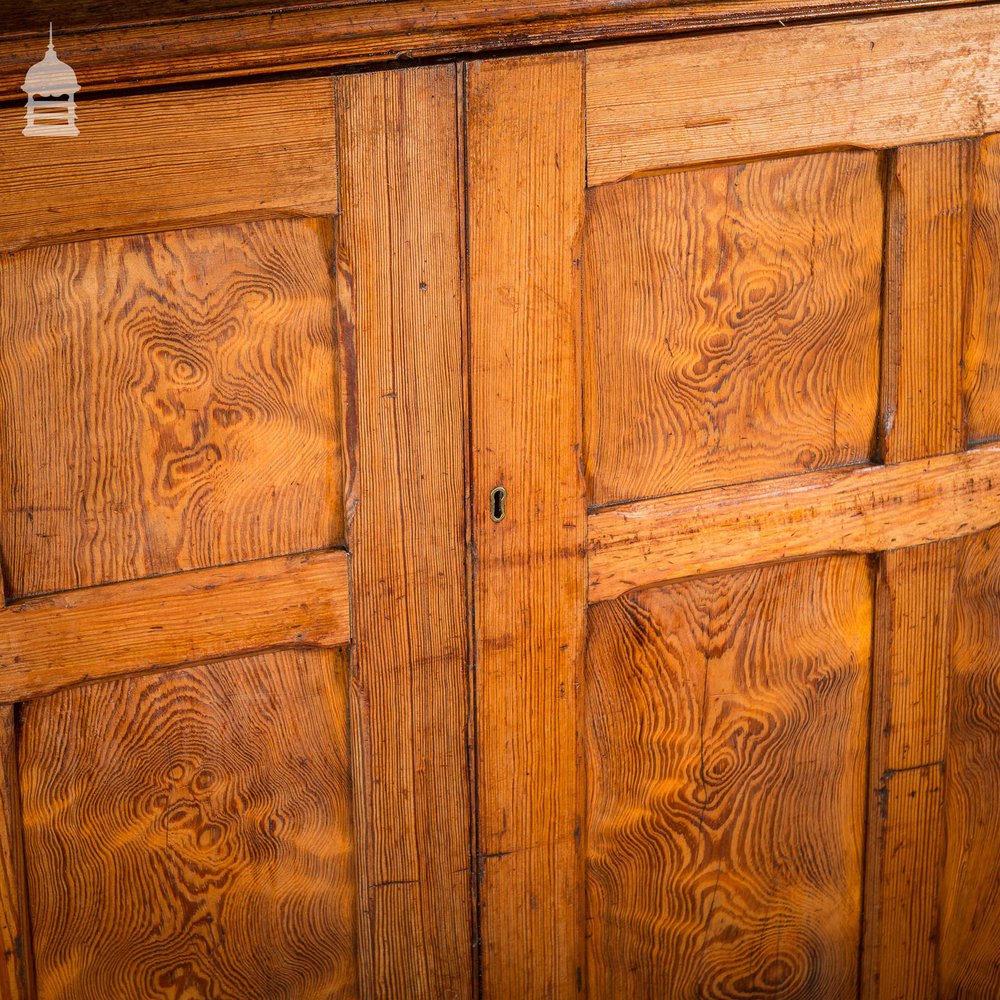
(731, 324)
(52, 642)
(189, 834)
(525, 213)
(726, 736)
(909, 739)
(970, 931)
(926, 281)
(161, 161)
(400, 291)
(169, 402)
(982, 346)
(17, 966)
(870, 509)
(121, 45)
(874, 83)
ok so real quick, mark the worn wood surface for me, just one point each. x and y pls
(17, 972)
(52, 642)
(982, 343)
(159, 161)
(879, 82)
(119, 45)
(405, 390)
(726, 738)
(189, 834)
(970, 931)
(169, 402)
(870, 509)
(731, 324)
(525, 214)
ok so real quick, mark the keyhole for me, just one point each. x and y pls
(498, 503)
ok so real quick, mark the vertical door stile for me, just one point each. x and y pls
(525, 183)
(401, 340)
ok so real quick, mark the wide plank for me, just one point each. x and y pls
(874, 83)
(401, 309)
(726, 756)
(525, 204)
(870, 509)
(51, 642)
(147, 162)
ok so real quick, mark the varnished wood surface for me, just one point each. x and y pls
(17, 972)
(52, 642)
(161, 161)
(871, 509)
(119, 45)
(875, 83)
(189, 834)
(982, 345)
(525, 163)
(970, 932)
(405, 389)
(731, 324)
(169, 402)
(726, 738)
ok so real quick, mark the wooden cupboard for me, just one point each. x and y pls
(509, 523)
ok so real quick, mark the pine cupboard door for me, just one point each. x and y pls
(732, 329)
(223, 777)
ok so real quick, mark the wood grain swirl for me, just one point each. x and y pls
(726, 735)
(169, 402)
(970, 932)
(731, 324)
(189, 835)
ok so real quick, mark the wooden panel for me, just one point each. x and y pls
(16, 967)
(982, 349)
(732, 324)
(970, 934)
(726, 738)
(48, 643)
(169, 402)
(124, 45)
(926, 281)
(909, 733)
(525, 203)
(160, 161)
(401, 331)
(188, 835)
(880, 82)
(848, 510)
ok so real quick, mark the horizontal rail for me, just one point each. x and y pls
(867, 509)
(52, 642)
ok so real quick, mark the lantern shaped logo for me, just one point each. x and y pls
(51, 86)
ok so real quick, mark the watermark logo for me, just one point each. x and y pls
(51, 86)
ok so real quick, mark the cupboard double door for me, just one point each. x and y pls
(522, 527)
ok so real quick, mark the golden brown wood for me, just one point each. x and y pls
(927, 273)
(170, 402)
(970, 932)
(165, 160)
(870, 509)
(120, 45)
(731, 324)
(189, 834)
(909, 733)
(525, 204)
(726, 734)
(52, 642)
(875, 83)
(982, 349)
(401, 333)
(16, 969)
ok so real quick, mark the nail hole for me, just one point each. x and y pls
(498, 503)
